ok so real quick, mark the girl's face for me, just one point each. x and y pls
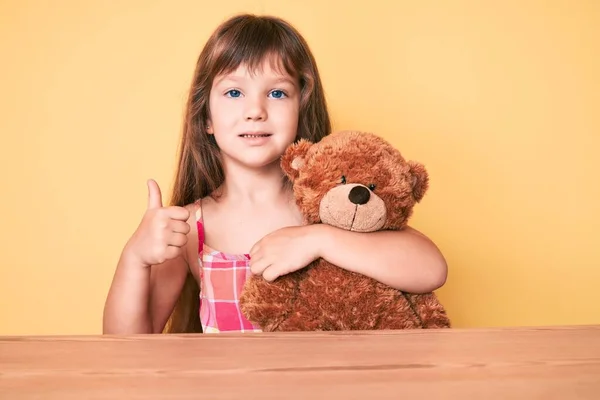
(254, 115)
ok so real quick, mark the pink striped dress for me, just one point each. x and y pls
(222, 277)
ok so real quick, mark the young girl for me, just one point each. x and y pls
(256, 90)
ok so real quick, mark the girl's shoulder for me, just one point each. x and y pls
(203, 206)
(197, 207)
(195, 210)
(196, 221)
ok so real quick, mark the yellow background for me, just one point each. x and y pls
(500, 100)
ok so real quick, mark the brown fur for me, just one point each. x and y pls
(323, 296)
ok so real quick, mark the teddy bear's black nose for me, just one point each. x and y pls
(359, 195)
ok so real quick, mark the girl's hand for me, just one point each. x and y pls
(285, 250)
(162, 233)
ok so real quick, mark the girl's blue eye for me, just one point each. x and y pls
(234, 93)
(278, 94)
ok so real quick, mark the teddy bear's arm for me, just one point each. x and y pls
(267, 304)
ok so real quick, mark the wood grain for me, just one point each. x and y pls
(518, 363)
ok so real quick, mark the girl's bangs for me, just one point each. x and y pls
(253, 47)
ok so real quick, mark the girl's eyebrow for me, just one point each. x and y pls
(225, 78)
(286, 79)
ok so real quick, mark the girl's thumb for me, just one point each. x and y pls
(154, 195)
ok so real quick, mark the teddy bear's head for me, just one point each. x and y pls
(355, 181)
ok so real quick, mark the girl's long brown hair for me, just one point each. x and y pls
(250, 40)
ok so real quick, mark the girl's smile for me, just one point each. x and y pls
(256, 139)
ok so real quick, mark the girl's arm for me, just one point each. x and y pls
(141, 298)
(405, 259)
(125, 310)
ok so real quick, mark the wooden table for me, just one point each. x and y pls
(524, 363)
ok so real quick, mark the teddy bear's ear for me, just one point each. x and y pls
(293, 158)
(420, 180)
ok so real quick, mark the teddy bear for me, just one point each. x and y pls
(357, 181)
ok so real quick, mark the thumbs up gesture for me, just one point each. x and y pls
(162, 233)
(154, 195)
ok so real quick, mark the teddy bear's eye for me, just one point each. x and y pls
(343, 180)
(372, 187)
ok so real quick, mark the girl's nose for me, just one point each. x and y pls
(256, 110)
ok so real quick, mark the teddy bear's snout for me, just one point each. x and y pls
(359, 195)
(354, 207)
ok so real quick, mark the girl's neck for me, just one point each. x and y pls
(254, 186)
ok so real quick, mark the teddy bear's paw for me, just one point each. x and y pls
(267, 304)
(430, 311)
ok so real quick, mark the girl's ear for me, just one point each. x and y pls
(420, 180)
(293, 158)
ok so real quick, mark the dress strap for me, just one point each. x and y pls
(199, 225)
